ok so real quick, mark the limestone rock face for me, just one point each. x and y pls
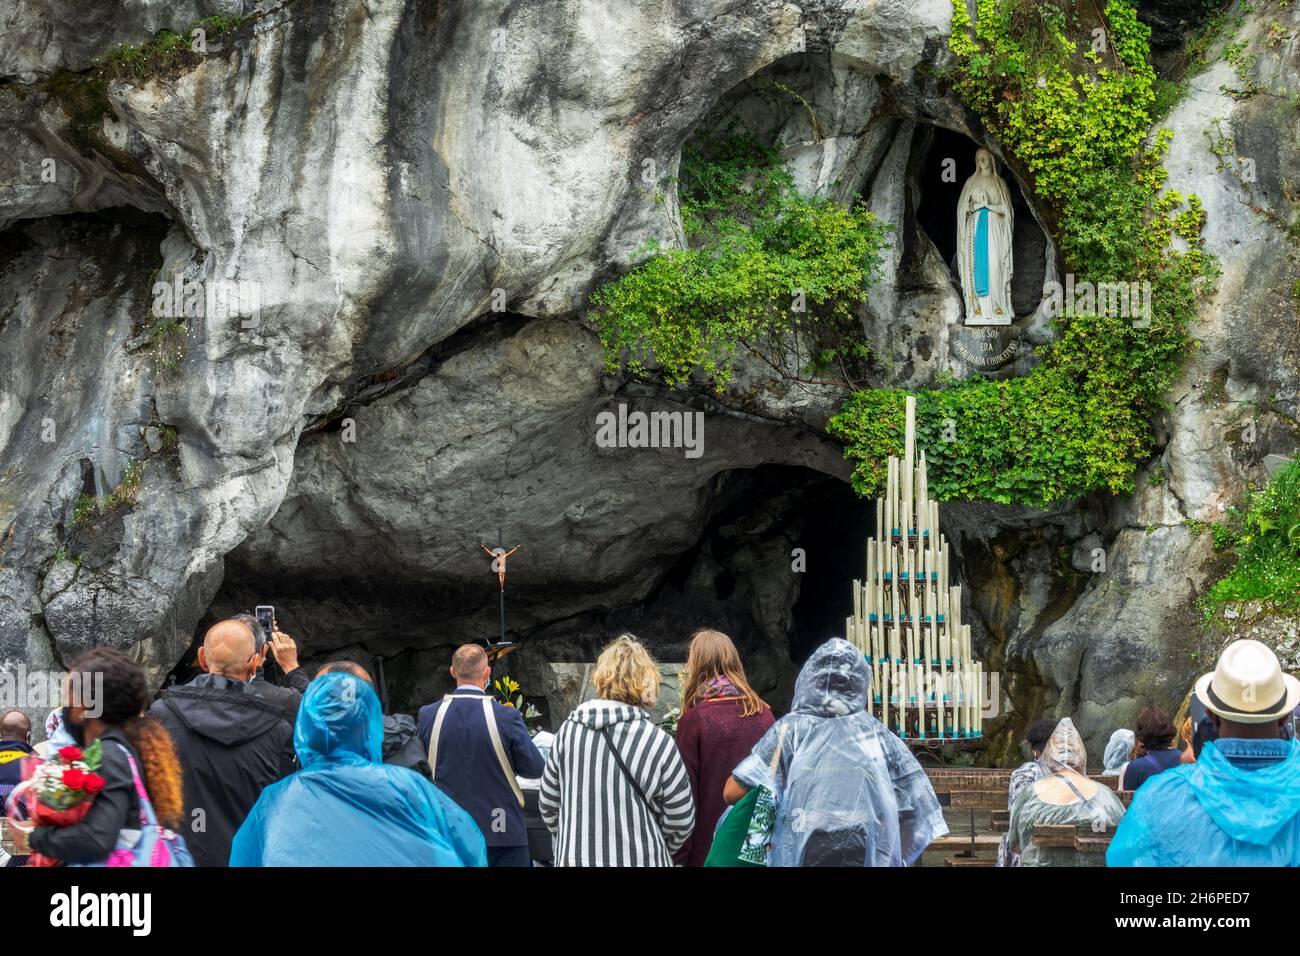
(375, 228)
(346, 190)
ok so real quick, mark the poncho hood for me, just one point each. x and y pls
(1248, 805)
(340, 719)
(833, 681)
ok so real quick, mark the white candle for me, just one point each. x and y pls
(891, 497)
(920, 702)
(909, 461)
(884, 695)
(904, 690)
(943, 689)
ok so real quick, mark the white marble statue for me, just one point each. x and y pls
(984, 230)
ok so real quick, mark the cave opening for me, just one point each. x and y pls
(771, 565)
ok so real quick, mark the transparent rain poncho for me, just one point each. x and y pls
(1098, 809)
(344, 807)
(1118, 748)
(849, 792)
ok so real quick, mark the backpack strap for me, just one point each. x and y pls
(147, 815)
(1065, 780)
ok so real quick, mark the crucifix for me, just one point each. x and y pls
(499, 555)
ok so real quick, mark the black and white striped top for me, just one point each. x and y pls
(590, 805)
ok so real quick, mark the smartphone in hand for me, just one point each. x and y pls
(266, 619)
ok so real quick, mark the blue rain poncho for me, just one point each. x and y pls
(849, 792)
(345, 807)
(1212, 813)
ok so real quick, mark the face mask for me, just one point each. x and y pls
(76, 731)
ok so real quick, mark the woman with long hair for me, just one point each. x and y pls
(106, 683)
(722, 718)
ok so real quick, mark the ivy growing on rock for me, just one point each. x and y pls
(767, 271)
(1263, 537)
(1071, 100)
(1072, 119)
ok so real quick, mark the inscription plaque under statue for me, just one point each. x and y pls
(985, 348)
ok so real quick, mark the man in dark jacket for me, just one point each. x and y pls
(15, 744)
(284, 651)
(476, 748)
(231, 741)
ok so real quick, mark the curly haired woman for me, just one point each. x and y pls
(114, 689)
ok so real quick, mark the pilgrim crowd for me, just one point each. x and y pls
(230, 769)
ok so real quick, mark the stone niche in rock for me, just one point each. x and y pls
(850, 135)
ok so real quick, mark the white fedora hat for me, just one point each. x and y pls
(1248, 685)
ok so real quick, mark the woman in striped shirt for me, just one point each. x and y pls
(615, 791)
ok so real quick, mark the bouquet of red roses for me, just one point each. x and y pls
(59, 792)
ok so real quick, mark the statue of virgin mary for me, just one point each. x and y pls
(984, 229)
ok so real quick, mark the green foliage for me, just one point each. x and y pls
(167, 52)
(125, 495)
(86, 510)
(167, 339)
(1075, 121)
(766, 269)
(1264, 538)
(1243, 65)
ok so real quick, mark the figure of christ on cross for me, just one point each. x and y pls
(498, 557)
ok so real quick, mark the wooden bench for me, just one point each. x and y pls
(1080, 839)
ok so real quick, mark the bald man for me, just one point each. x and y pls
(15, 744)
(231, 741)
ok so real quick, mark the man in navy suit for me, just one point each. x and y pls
(476, 748)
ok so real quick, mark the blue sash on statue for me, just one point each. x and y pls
(982, 253)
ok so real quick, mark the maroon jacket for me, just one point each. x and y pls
(713, 738)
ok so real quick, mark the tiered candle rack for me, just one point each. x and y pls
(925, 683)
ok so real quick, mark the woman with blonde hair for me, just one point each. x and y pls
(722, 719)
(615, 791)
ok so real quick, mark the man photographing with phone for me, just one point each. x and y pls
(284, 652)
